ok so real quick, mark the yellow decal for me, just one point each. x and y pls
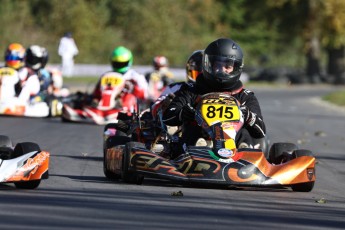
(230, 144)
(6, 71)
(111, 81)
(214, 113)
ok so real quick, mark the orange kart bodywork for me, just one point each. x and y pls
(34, 168)
(247, 167)
(139, 152)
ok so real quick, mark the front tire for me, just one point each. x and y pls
(127, 176)
(277, 151)
(111, 142)
(25, 147)
(32, 184)
(302, 187)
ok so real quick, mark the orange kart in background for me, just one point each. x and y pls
(141, 152)
(25, 165)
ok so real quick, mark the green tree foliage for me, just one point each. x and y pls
(286, 31)
(318, 25)
(14, 19)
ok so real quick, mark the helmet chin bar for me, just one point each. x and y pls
(221, 77)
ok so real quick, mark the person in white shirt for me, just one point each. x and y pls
(36, 58)
(67, 50)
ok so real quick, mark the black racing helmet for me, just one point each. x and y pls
(36, 57)
(194, 65)
(220, 56)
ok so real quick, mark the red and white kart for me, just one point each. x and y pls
(113, 102)
(24, 164)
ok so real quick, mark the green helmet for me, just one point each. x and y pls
(121, 59)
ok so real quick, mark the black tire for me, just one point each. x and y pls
(301, 153)
(63, 119)
(127, 176)
(110, 143)
(25, 147)
(276, 153)
(264, 145)
(302, 187)
(5, 141)
(113, 126)
(32, 184)
(54, 108)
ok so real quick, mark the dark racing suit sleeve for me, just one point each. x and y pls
(172, 115)
(254, 124)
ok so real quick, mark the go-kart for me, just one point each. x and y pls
(25, 164)
(38, 106)
(114, 100)
(137, 149)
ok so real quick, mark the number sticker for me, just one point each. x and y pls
(5, 71)
(111, 81)
(218, 113)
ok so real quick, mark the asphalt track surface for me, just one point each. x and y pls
(78, 196)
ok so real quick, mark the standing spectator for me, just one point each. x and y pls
(67, 50)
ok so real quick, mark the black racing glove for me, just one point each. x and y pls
(166, 101)
(245, 113)
(187, 113)
(248, 117)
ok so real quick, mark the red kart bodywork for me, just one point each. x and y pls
(102, 114)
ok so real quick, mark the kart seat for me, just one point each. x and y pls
(6, 153)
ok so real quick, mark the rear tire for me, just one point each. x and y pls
(127, 176)
(276, 153)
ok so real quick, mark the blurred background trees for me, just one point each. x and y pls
(307, 35)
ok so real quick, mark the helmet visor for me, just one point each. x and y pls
(218, 64)
(119, 65)
(12, 57)
(33, 60)
(193, 74)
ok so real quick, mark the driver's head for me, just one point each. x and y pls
(36, 57)
(194, 65)
(121, 59)
(15, 56)
(222, 63)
